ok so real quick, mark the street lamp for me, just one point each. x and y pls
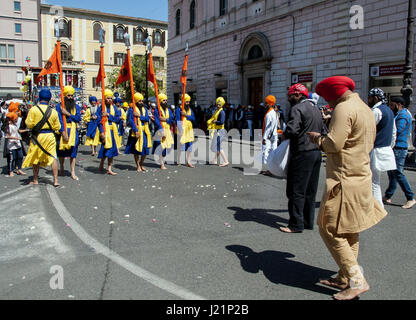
(407, 89)
(147, 41)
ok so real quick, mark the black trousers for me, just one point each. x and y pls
(301, 188)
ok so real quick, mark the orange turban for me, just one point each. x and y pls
(12, 116)
(13, 107)
(271, 100)
(334, 87)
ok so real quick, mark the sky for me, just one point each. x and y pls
(149, 9)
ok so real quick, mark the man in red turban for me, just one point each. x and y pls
(304, 161)
(333, 88)
(348, 206)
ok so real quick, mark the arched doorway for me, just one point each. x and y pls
(254, 68)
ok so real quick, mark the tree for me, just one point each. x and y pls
(139, 79)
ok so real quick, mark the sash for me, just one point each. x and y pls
(113, 127)
(187, 129)
(212, 123)
(144, 129)
(168, 141)
(72, 135)
(33, 134)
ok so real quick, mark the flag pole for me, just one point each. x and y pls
(103, 108)
(149, 50)
(61, 81)
(127, 43)
(183, 76)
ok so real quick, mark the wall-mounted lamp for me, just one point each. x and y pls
(218, 74)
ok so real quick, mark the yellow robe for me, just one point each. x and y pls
(35, 155)
(72, 134)
(212, 126)
(188, 130)
(168, 141)
(89, 141)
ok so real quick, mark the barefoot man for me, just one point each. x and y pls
(72, 112)
(348, 206)
(140, 138)
(108, 133)
(185, 131)
(43, 121)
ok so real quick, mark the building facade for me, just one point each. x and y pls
(247, 49)
(80, 46)
(19, 44)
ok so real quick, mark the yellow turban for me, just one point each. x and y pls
(187, 98)
(162, 97)
(220, 100)
(138, 96)
(108, 93)
(125, 105)
(68, 90)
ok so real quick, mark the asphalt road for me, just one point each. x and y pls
(204, 233)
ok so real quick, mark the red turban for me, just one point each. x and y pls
(334, 87)
(298, 88)
(11, 116)
(271, 100)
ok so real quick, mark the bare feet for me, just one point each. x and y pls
(224, 164)
(178, 164)
(350, 293)
(409, 204)
(289, 230)
(56, 185)
(190, 165)
(34, 182)
(11, 174)
(111, 173)
(74, 177)
(143, 169)
(334, 283)
(139, 170)
(163, 167)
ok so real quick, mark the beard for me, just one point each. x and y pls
(139, 104)
(69, 104)
(164, 105)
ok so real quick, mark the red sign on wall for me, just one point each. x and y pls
(391, 70)
(305, 77)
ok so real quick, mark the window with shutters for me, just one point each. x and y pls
(119, 32)
(192, 15)
(157, 41)
(223, 7)
(96, 29)
(65, 28)
(94, 84)
(119, 58)
(139, 35)
(65, 52)
(97, 56)
(159, 62)
(178, 22)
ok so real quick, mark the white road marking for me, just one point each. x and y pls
(15, 190)
(101, 249)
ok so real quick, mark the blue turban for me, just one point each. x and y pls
(45, 95)
(92, 98)
(117, 100)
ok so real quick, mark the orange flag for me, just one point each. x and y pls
(124, 74)
(101, 71)
(52, 66)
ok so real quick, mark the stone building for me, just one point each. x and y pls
(19, 44)
(80, 47)
(247, 49)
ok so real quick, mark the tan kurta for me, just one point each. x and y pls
(348, 205)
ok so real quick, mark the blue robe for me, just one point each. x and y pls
(113, 151)
(92, 126)
(131, 142)
(74, 119)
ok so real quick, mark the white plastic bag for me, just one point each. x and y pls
(278, 160)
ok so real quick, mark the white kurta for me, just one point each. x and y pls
(381, 159)
(271, 124)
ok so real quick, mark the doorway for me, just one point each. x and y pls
(255, 91)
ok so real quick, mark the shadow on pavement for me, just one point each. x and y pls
(277, 268)
(262, 216)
